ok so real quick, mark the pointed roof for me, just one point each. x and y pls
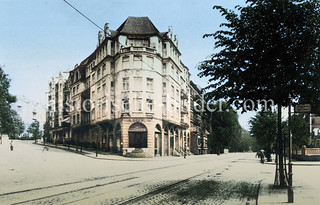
(137, 26)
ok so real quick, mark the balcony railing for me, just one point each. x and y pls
(135, 48)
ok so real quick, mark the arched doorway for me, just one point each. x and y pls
(138, 135)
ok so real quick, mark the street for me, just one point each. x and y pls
(33, 174)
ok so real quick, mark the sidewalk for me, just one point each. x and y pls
(306, 185)
(106, 155)
(92, 154)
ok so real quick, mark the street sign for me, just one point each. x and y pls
(302, 108)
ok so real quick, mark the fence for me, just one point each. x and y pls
(304, 151)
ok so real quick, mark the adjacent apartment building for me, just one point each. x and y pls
(134, 87)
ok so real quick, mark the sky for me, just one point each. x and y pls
(40, 38)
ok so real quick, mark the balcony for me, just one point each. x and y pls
(136, 48)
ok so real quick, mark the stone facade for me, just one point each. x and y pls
(57, 115)
(135, 88)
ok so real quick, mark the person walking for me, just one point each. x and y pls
(11, 146)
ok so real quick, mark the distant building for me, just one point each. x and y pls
(57, 114)
(199, 139)
(134, 86)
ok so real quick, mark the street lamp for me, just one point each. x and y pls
(185, 149)
(290, 191)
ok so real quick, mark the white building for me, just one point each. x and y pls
(135, 87)
(57, 116)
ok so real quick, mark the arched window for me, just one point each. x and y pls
(138, 135)
(125, 105)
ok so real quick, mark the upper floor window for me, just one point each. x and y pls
(149, 105)
(125, 84)
(112, 107)
(103, 69)
(164, 68)
(104, 89)
(138, 104)
(139, 42)
(150, 84)
(93, 77)
(172, 90)
(125, 105)
(104, 105)
(99, 73)
(164, 88)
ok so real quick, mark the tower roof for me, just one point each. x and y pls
(137, 26)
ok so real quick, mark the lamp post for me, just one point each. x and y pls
(290, 191)
(185, 149)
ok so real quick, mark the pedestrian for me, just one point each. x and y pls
(262, 156)
(11, 146)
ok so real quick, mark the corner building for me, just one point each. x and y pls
(135, 87)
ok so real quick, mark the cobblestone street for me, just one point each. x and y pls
(31, 174)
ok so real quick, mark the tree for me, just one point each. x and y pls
(223, 125)
(299, 130)
(34, 130)
(6, 99)
(269, 49)
(46, 131)
(264, 129)
(16, 124)
(96, 132)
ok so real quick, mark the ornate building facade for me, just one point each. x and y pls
(132, 92)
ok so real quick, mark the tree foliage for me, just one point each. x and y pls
(300, 130)
(34, 129)
(46, 131)
(264, 129)
(269, 49)
(223, 126)
(16, 124)
(6, 99)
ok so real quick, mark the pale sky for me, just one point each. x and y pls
(39, 38)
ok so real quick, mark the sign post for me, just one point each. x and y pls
(298, 108)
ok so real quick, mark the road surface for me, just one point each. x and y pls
(32, 174)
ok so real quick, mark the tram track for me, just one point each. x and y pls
(65, 186)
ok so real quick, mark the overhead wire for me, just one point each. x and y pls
(83, 14)
(100, 27)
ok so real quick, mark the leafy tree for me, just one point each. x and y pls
(16, 124)
(96, 132)
(246, 142)
(6, 99)
(264, 129)
(46, 131)
(225, 130)
(34, 130)
(268, 49)
(299, 130)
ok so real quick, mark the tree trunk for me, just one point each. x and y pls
(280, 175)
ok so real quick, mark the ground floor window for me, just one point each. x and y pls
(138, 136)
